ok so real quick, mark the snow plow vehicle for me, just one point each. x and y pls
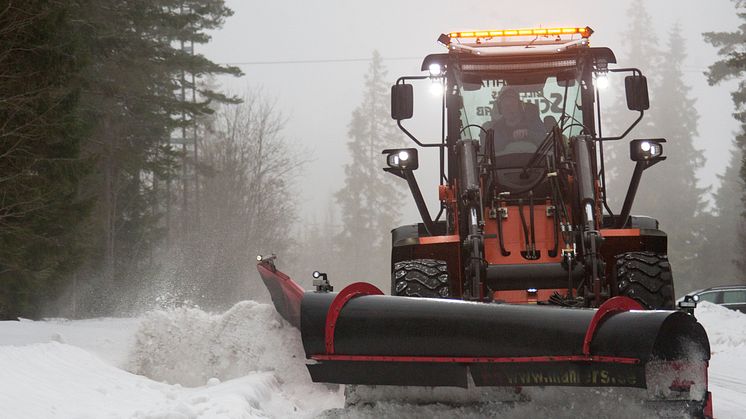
(526, 277)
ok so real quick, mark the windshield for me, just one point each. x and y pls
(520, 114)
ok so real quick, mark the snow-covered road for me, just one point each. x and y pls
(244, 363)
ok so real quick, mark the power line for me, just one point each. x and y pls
(685, 69)
(321, 61)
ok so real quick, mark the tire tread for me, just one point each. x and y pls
(646, 277)
(427, 278)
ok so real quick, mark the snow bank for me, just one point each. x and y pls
(249, 363)
(726, 330)
(245, 363)
(109, 338)
(55, 380)
(190, 347)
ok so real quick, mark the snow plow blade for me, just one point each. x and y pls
(286, 294)
(360, 336)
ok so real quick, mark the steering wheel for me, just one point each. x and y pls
(509, 174)
(518, 147)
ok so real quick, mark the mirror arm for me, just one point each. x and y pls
(634, 71)
(621, 222)
(402, 80)
(427, 220)
(624, 134)
(409, 134)
(408, 175)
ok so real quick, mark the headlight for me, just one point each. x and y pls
(435, 70)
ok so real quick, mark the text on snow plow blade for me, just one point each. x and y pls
(526, 277)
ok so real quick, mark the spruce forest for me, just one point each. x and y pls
(129, 178)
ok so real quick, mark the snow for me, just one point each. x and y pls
(726, 330)
(246, 363)
(177, 364)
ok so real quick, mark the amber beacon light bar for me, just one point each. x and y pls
(584, 32)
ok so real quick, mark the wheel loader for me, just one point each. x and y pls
(526, 277)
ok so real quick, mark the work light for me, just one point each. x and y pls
(402, 158)
(641, 150)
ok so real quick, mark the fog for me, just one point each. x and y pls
(272, 43)
(129, 213)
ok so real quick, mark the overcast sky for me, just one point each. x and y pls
(318, 99)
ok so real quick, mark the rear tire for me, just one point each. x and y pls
(426, 278)
(645, 277)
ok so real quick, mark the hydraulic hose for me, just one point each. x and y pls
(555, 216)
(503, 250)
(532, 250)
(523, 223)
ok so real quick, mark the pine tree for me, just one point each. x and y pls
(134, 91)
(733, 66)
(91, 87)
(640, 50)
(370, 200)
(669, 190)
(723, 228)
(40, 136)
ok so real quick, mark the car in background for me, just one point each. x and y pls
(730, 296)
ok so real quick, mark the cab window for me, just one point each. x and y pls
(550, 101)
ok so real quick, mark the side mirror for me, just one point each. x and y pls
(636, 88)
(646, 150)
(402, 158)
(402, 101)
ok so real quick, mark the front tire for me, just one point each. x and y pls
(427, 278)
(646, 277)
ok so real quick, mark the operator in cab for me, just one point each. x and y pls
(517, 126)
